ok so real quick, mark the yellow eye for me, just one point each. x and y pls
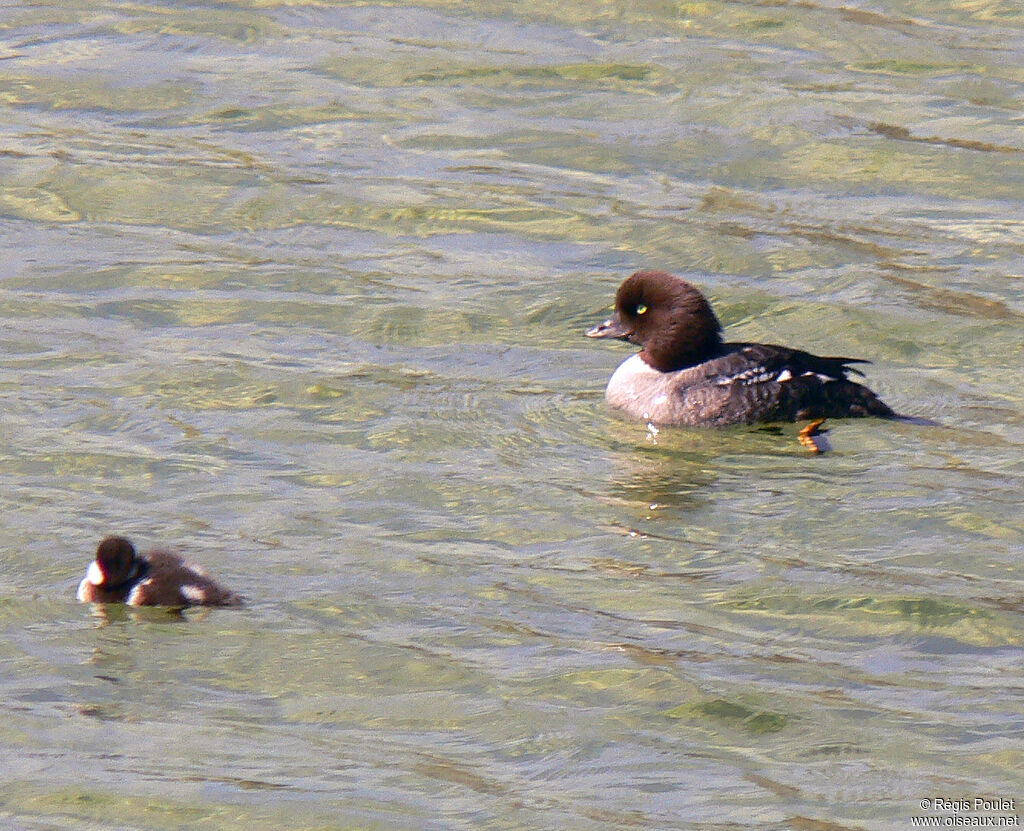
(641, 309)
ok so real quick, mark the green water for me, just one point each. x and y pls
(298, 289)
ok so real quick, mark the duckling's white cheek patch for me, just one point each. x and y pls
(94, 574)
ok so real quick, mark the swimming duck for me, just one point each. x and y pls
(685, 374)
(121, 575)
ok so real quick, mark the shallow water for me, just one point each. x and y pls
(298, 289)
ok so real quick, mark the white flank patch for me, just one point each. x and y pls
(823, 378)
(193, 594)
(135, 595)
(94, 574)
(785, 375)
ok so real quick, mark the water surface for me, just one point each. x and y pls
(298, 289)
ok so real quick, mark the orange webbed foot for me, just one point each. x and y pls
(813, 438)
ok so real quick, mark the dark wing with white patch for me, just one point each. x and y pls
(763, 382)
(761, 362)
